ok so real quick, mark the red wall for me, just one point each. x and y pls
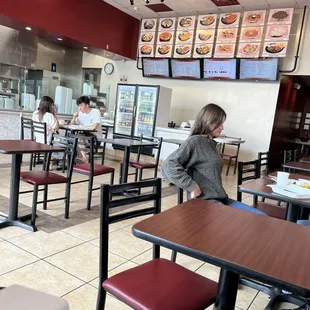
(92, 22)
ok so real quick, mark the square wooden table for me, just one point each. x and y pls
(17, 148)
(241, 243)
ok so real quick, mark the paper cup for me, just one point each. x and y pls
(282, 178)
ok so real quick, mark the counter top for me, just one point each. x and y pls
(174, 130)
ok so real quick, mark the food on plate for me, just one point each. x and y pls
(277, 32)
(227, 33)
(250, 49)
(149, 24)
(203, 49)
(184, 36)
(253, 18)
(205, 35)
(147, 37)
(275, 48)
(167, 23)
(207, 20)
(251, 33)
(146, 49)
(280, 15)
(183, 50)
(186, 22)
(229, 18)
(165, 37)
(225, 48)
(164, 49)
(306, 186)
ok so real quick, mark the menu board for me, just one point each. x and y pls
(219, 69)
(259, 69)
(186, 69)
(147, 37)
(165, 39)
(155, 67)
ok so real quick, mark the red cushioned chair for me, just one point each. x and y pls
(140, 165)
(90, 169)
(45, 177)
(157, 284)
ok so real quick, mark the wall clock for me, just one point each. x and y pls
(109, 68)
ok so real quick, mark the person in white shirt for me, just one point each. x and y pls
(87, 117)
(46, 113)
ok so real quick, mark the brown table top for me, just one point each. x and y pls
(259, 187)
(297, 166)
(76, 128)
(305, 160)
(26, 147)
(262, 247)
(127, 142)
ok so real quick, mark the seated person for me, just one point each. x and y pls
(88, 117)
(196, 166)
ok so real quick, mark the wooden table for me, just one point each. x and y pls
(296, 165)
(305, 160)
(258, 187)
(76, 128)
(241, 243)
(17, 148)
(174, 141)
(127, 144)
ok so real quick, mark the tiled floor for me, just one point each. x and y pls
(62, 257)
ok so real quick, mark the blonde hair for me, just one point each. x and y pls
(208, 119)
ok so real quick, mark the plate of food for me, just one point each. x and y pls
(184, 36)
(183, 50)
(166, 23)
(186, 22)
(224, 50)
(147, 37)
(278, 32)
(229, 34)
(149, 24)
(205, 35)
(203, 49)
(164, 49)
(249, 49)
(254, 18)
(146, 49)
(251, 33)
(207, 20)
(275, 48)
(165, 36)
(230, 19)
(281, 16)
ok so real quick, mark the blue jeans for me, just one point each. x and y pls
(304, 222)
(239, 205)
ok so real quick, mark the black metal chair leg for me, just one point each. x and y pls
(140, 179)
(67, 204)
(136, 174)
(90, 191)
(236, 164)
(120, 173)
(112, 178)
(64, 163)
(34, 207)
(45, 197)
(34, 159)
(101, 298)
(228, 166)
(174, 256)
(31, 162)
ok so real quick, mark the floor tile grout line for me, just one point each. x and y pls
(253, 300)
(13, 270)
(62, 296)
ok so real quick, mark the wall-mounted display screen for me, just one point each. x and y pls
(220, 69)
(155, 67)
(186, 69)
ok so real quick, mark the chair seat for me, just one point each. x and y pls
(140, 164)
(271, 210)
(162, 284)
(42, 177)
(98, 169)
(228, 155)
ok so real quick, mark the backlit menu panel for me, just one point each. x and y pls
(185, 69)
(220, 69)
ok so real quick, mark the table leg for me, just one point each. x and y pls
(227, 290)
(292, 213)
(126, 164)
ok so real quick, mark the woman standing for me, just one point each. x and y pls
(196, 166)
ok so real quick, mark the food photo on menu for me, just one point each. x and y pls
(147, 37)
(281, 16)
(167, 23)
(186, 22)
(278, 32)
(203, 50)
(184, 50)
(185, 36)
(275, 49)
(206, 21)
(146, 50)
(229, 20)
(251, 34)
(227, 34)
(149, 25)
(250, 50)
(254, 18)
(165, 36)
(163, 50)
(205, 36)
(224, 50)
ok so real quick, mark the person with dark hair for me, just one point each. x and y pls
(46, 113)
(196, 166)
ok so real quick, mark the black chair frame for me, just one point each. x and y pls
(106, 203)
(263, 160)
(26, 123)
(39, 128)
(235, 157)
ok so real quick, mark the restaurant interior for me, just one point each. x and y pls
(100, 214)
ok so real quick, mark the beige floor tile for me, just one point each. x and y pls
(119, 269)
(42, 276)
(12, 232)
(83, 298)
(210, 271)
(43, 244)
(13, 257)
(87, 231)
(245, 296)
(82, 261)
(114, 304)
(131, 222)
(126, 245)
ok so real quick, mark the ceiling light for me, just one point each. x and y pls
(85, 48)
(59, 39)
(28, 28)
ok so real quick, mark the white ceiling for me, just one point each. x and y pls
(195, 7)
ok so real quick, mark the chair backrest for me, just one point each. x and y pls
(106, 203)
(70, 145)
(290, 155)
(39, 128)
(86, 144)
(247, 171)
(105, 131)
(26, 123)
(263, 160)
(158, 141)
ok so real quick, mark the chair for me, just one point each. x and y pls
(263, 160)
(105, 131)
(250, 171)
(90, 169)
(157, 284)
(26, 123)
(288, 156)
(45, 178)
(39, 133)
(140, 165)
(231, 156)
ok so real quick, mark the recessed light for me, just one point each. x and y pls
(85, 48)
(28, 28)
(59, 39)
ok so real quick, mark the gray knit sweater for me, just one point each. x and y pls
(196, 161)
